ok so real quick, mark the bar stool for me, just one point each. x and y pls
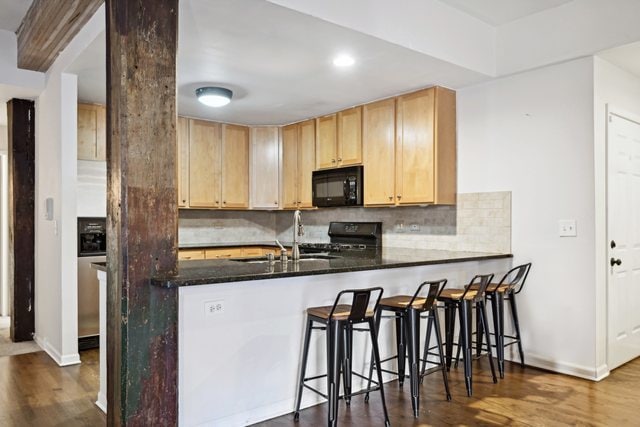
(464, 300)
(338, 321)
(510, 285)
(407, 310)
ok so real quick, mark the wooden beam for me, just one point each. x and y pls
(142, 212)
(21, 148)
(47, 29)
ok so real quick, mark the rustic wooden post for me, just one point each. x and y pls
(142, 213)
(21, 121)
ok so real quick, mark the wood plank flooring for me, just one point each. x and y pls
(526, 397)
(35, 391)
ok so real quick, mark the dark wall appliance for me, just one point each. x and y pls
(92, 236)
(337, 187)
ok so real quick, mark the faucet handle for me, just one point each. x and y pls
(300, 230)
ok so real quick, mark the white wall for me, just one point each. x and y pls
(621, 90)
(532, 134)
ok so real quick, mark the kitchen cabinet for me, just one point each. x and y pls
(265, 167)
(298, 162)
(219, 253)
(426, 147)
(410, 159)
(188, 254)
(205, 140)
(379, 132)
(182, 162)
(92, 132)
(339, 139)
(235, 167)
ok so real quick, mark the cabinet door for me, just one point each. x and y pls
(183, 162)
(204, 164)
(190, 254)
(223, 253)
(87, 132)
(265, 170)
(101, 132)
(415, 148)
(235, 167)
(306, 162)
(326, 137)
(290, 166)
(350, 137)
(379, 152)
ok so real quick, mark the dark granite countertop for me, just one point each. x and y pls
(230, 244)
(203, 272)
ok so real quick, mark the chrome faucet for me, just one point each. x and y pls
(283, 251)
(298, 230)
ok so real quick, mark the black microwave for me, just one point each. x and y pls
(337, 187)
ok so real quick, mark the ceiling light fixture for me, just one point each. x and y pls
(343, 61)
(213, 96)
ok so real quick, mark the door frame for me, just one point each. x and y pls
(627, 115)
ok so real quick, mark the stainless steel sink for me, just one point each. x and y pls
(303, 258)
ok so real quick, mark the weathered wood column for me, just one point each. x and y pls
(21, 127)
(142, 212)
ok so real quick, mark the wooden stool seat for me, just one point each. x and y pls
(401, 301)
(341, 312)
(493, 287)
(456, 294)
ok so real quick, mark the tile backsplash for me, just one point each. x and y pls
(480, 222)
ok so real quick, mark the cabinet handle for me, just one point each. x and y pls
(275, 203)
(184, 201)
(224, 202)
(333, 160)
(339, 159)
(399, 197)
(390, 197)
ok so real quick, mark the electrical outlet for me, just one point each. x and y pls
(211, 308)
(399, 227)
(567, 228)
(414, 228)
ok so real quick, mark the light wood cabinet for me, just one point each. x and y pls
(265, 167)
(182, 162)
(339, 139)
(188, 254)
(298, 162)
(205, 141)
(410, 159)
(379, 132)
(92, 132)
(426, 147)
(220, 253)
(235, 167)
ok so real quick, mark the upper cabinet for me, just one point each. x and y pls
(421, 160)
(265, 167)
(235, 167)
(205, 143)
(339, 139)
(92, 132)
(182, 162)
(298, 162)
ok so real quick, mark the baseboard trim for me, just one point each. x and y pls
(61, 360)
(102, 402)
(602, 372)
(565, 368)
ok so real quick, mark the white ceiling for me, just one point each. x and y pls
(12, 12)
(499, 12)
(278, 63)
(626, 57)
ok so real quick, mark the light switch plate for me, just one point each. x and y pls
(567, 228)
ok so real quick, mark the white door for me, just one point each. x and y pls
(623, 229)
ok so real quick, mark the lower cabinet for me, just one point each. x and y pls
(228, 252)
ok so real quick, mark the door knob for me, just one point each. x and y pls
(615, 261)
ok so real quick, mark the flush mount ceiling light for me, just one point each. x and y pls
(213, 96)
(343, 60)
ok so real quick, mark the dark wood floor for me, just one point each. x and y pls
(34, 391)
(526, 397)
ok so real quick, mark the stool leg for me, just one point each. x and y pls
(401, 347)
(500, 334)
(465, 326)
(334, 339)
(412, 327)
(485, 322)
(449, 326)
(376, 355)
(497, 328)
(347, 366)
(303, 368)
(425, 353)
(458, 347)
(479, 333)
(377, 326)
(434, 314)
(516, 324)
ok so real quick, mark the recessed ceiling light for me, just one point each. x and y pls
(343, 61)
(213, 96)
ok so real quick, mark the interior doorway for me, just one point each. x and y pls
(623, 233)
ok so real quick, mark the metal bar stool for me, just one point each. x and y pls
(407, 310)
(464, 300)
(338, 321)
(510, 285)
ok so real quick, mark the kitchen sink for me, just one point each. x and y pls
(303, 258)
